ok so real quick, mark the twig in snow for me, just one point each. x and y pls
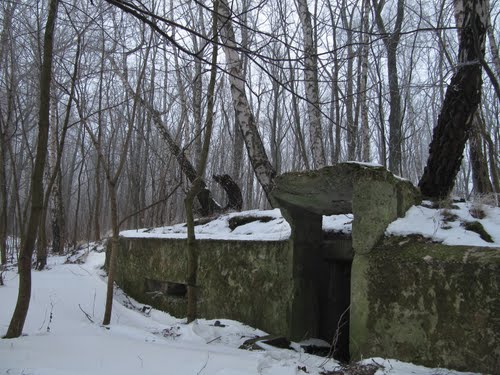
(83, 269)
(50, 317)
(93, 304)
(205, 365)
(217, 338)
(87, 315)
(44, 320)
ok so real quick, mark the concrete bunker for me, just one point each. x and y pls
(321, 265)
(410, 298)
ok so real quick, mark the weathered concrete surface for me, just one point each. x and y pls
(374, 195)
(249, 281)
(427, 303)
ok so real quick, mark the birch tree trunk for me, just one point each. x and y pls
(311, 85)
(349, 93)
(263, 169)
(365, 129)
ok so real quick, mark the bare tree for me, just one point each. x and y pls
(391, 41)
(18, 318)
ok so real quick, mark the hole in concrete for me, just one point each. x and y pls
(165, 288)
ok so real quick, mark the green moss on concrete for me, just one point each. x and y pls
(358, 330)
(427, 303)
(249, 281)
(246, 281)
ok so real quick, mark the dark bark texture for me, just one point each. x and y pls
(23, 299)
(460, 104)
(233, 191)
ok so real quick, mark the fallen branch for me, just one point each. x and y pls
(86, 314)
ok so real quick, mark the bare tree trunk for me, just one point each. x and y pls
(233, 191)
(57, 204)
(352, 131)
(335, 94)
(479, 164)
(263, 169)
(192, 246)
(296, 116)
(391, 43)
(54, 175)
(494, 50)
(461, 102)
(98, 173)
(4, 202)
(18, 318)
(42, 248)
(311, 85)
(115, 242)
(4, 44)
(365, 128)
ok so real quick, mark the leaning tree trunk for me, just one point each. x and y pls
(261, 165)
(207, 204)
(23, 299)
(461, 102)
(233, 191)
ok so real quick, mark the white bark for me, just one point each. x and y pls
(365, 130)
(263, 169)
(311, 85)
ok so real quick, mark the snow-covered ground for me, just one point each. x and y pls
(63, 335)
(440, 225)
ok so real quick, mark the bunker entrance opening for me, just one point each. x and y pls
(335, 294)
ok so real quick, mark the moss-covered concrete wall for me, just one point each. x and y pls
(249, 281)
(427, 303)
